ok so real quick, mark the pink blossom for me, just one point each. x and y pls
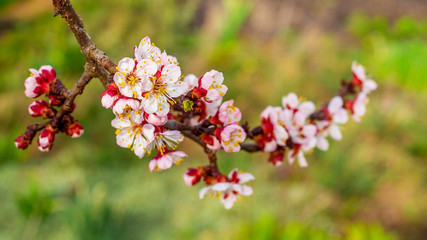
(134, 133)
(125, 105)
(231, 137)
(210, 86)
(155, 119)
(360, 79)
(228, 113)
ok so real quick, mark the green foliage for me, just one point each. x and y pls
(35, 203)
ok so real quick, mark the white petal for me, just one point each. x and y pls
(322, 143)
(125, 138)
(335, 104)
(341, 116)
(290, 101)
(306, 108)
(121, 123)
(245, 177)
(301, 160)
(139, 146)
(203, 191)
(335, 132)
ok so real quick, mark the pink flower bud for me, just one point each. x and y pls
(22, 142)
(155, 119)
(276, 158)
(192, 176)
(35, 85)
(109, 96)
(74, 130)
(48, 73)
(38, 108)
(46, 138)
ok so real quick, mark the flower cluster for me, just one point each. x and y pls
(297, 128)
(44, 81)
(144, 89)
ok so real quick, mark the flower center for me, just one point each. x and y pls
(131, 79)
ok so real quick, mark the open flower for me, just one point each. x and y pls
(360, 79)
(301, 133)
(228, 113)
(274, 133)
(39, 108)
(229, 191)
(160, 87)
(134, 133)
(231, 137)
(336, 115)
(147, 50)
(129, 76)
(210, 86)
(164, 159)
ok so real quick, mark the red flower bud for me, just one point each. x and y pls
(46, 138)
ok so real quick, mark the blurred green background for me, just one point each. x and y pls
(370, 185)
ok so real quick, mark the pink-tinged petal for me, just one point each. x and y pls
(126, 65)
(358, 70)
(309, 144)
(306, 108)
(148, 132)
(152, 165)
(206, 80)
(213, 95)
(125, 138)
(179, 154)
(146, 67)
(212, 107)
(309, 130)
(369, 85)
(146, 85)
(30, 87)
(266, 113)
(245, 177)
(301, 160)
(335, 105)
(270, 146)
(107, 101)
(322, 143)
(229, 201)
(290, 101)
(281, 135)
(335, 132)
(191, 81)
(246, 190)
(177, 89)
(171, 73)
(121, 123)
(164, 162)
(299, 119)
(341, 116)
(155, 119)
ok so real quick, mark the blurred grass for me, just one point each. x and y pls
(371, 185)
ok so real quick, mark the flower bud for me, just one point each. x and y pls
(192, 176)
(22, 142)
(38, 108)
(46, 138)
(74, 130)
(109, 96)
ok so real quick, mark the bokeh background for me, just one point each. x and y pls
(370, 185)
